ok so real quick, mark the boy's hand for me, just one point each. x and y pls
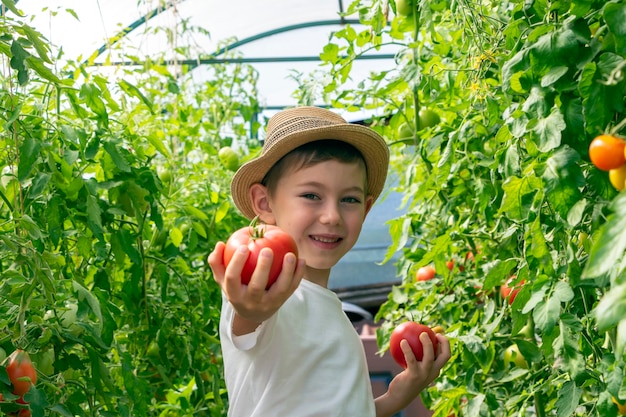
(418, 375)
(253, 303)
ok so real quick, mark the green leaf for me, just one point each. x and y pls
(518, 195)
(548, 131)
(133, 91)
(610, 310)
(536, 245)
(44, 72)
(29, 153)
(94, 215)
(563, 179)
(610, 241)
(10, 4)
(34, 37)
(91, 95)
(553, 75)
(330, 53)
(569, 397)
(498, 272)
(176, 236)
(615, 16)
(117, 157)
(27, 223)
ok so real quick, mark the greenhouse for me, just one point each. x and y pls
(498, 228)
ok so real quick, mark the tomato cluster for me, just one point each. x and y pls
(608, 153)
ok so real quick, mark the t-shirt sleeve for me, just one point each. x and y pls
(243, 342)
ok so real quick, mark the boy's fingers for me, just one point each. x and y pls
(428, 348)
(444, 353)
(216, 262)
(232, 275)
(261, 273)
(409, 356)
(290, 275)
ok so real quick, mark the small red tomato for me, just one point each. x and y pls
(450, 265)
(257, 237)
(21, 372)
(410, 331)
(425, 273)
(510, 292)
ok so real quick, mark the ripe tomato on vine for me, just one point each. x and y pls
(607, 152)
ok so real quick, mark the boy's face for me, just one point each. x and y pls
(322, 207)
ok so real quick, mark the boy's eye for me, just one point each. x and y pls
(310, 196)
(352, 200)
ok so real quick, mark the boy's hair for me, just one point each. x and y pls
(310, 154)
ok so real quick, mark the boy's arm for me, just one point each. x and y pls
(253, 304)
(418, 375)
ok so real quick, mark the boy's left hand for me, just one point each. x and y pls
(418, 375)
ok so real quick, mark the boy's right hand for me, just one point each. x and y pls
(252, 303)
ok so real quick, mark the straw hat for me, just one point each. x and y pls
(294, 127)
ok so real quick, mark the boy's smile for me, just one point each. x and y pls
(322, 207)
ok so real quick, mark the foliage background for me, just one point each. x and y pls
(112, 194)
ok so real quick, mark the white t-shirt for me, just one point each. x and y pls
(307, 360)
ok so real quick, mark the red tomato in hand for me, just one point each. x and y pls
(19, 368)
(425, 273)
(410, 331)
(510, 292)
(257, 237)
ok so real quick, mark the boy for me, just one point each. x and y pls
(290, 351)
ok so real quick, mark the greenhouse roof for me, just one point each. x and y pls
(280, 38)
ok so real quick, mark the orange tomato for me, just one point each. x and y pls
(607, 152)
(425, 273)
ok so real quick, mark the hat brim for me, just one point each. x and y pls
(369, 143)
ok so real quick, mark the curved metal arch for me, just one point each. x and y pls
(134, 25)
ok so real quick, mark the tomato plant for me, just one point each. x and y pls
(257, 237)
(607, 152)
(425, 273)
(507, 177)
(410, 331)
(21, 372)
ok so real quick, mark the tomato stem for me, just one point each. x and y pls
(619, 126)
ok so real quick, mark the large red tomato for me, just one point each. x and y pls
(410, 331)
(510, 292)
(257, 237)
(19, 368)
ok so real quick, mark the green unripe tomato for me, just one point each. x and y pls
(229, 159)
(405, 131)
(428, 118)
(405, 7)
(512, 355)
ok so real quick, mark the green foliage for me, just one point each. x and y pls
(111, 197)
(521, 88)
